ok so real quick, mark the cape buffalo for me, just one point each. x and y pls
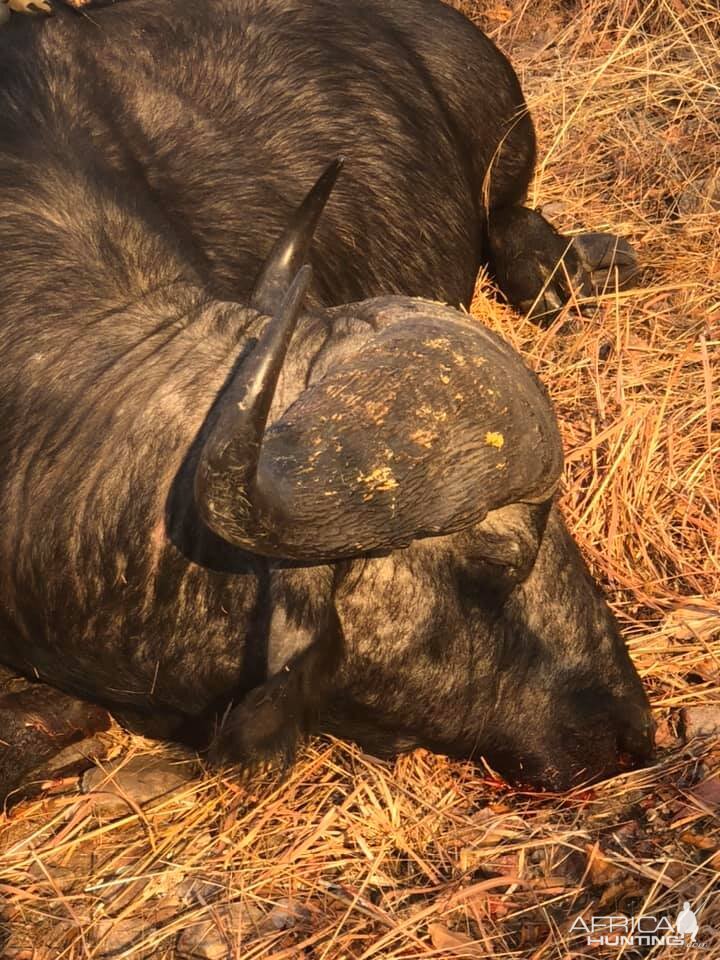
(229, 478)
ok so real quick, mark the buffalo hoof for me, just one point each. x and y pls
(45, 735)
(260, 735)
(606, 261)
(539, 270)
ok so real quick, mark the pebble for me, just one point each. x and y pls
(218, 937)
(701, 721)
(120, 786)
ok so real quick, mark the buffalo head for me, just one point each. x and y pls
(418, 461)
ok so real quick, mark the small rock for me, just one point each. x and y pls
(194, 891)
(75, 758)
(123, 785)
(287, 914)
(700, 721)
(628, 832)
(16, 951)
(60, 879)
(699, 196)
(708, 792)
(708, 669)
(112, 937)
(665, 735)
(572, 866)
(218, 936)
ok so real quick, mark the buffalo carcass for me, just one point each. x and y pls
(352, 530)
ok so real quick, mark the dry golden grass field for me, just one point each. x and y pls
(356, 858)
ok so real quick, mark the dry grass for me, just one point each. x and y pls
(426, 858)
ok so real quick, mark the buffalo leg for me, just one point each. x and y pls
(303, 648)
(44, 734)
(539, 269)
(263, 731)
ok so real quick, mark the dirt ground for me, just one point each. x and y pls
(356, 858)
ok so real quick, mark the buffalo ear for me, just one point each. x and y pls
(500, 552)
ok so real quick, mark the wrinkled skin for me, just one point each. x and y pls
(535, 677)
(137, 210)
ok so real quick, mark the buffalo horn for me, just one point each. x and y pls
(227, 471)
(292, 249)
